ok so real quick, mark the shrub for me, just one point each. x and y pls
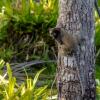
(10, 90)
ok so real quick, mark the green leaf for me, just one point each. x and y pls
(36, 77)
(40, 91)
(9, 71)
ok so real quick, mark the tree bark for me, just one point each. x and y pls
(74, 35)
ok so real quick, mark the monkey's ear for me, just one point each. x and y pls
(55, 32)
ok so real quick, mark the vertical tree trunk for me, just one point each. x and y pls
(74, 34)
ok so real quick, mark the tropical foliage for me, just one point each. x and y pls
(24, 36)
(10, 90)
(24, 26)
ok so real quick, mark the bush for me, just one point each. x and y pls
(24, 27)
(10, 90)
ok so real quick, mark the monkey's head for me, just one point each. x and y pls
(56, 34)
(66, 42)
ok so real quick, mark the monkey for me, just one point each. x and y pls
(66, 42)
(97, 7)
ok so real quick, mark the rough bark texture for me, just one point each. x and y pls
(75, 72)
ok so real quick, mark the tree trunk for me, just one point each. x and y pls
(74, 35)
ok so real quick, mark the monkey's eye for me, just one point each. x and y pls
(55, 35)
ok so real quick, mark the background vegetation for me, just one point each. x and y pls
(24, 37)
